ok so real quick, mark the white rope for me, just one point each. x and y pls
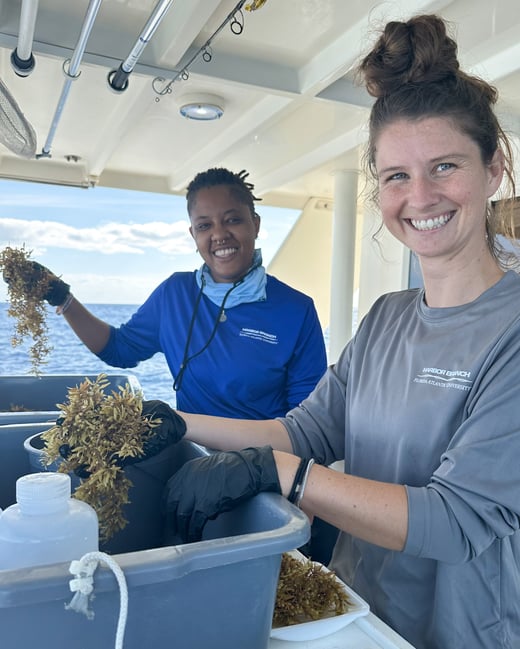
(83, 588)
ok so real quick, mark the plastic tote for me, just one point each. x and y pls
(36, 397)
(144, 529)
(215, 594)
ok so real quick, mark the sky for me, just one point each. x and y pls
(112, 246)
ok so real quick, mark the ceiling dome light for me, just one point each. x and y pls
(202, 107)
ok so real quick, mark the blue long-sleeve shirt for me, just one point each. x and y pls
(264, 359)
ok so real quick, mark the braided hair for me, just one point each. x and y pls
(241, 190)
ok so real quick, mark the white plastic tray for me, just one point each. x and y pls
(324, 626)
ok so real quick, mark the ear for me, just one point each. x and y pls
(191, 232)
(256, 220)
(495, 172)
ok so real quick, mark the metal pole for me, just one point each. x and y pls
(72, 73)
(343, 261)
(22, 59)
(118, 79)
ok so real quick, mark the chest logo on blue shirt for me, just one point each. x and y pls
(441, 378)
(257, 334)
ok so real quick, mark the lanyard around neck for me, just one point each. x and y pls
(185, 358)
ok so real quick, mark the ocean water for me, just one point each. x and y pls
(70, 356)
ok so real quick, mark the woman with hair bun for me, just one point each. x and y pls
(423, 405)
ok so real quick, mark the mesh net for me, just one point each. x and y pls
(15, 131)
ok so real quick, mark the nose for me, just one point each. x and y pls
(422, 192)
(219, 234)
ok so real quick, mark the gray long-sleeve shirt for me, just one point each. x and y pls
(430, 398)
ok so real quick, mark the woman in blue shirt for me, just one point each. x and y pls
(238, 342)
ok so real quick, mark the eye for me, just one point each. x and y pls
(399, 175)
(445, 166)
(200, 227)
(233, 220)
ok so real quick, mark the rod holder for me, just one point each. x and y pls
(22, 67)
(118, 79)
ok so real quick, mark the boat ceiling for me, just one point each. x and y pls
(292, 114)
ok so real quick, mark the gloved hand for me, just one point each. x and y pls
(33, 273)
(170, 431)
(205, 487)
(81, 471)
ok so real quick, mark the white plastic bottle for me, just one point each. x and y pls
(46, 525)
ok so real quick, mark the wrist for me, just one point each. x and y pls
(60, 310)
(300, 488)
(300, 481)
(287, 465)
(58, 291)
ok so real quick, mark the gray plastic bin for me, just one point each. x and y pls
(216, 594)
(39, 395)
(144, 529)
(14, 460)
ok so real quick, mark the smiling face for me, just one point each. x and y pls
(433, 188)
(225, 231)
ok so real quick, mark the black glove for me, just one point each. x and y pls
(170, 431)
(65, 451)
(205, 487)
(32, 273)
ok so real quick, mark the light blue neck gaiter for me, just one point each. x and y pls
(251, 288)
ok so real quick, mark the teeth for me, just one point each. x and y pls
(224, 252)
(431, 224)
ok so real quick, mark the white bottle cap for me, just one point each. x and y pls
(46, 488)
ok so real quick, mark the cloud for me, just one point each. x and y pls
(113, 287)
(108, 238)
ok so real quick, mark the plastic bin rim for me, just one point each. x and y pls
(27, 586)
(123, 379)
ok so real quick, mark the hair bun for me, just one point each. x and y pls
(416, 51)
